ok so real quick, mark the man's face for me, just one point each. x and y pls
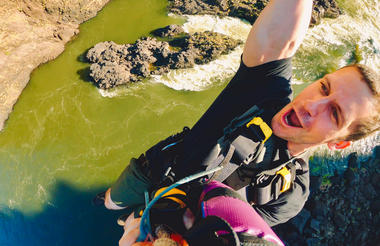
(325, 110)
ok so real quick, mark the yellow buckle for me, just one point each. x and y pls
(263, 126)
(287, 178)
(172, 192)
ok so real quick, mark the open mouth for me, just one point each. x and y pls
(291, 119)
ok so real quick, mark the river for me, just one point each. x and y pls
(66, 140)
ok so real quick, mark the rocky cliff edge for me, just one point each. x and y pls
(33, 32)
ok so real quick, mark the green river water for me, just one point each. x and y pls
(65, 141)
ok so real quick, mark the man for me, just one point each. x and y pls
(340, 107)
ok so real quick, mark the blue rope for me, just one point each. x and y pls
(145, 220)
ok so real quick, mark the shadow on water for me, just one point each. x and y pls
(68, 218)
(83, 57)
(84, 74)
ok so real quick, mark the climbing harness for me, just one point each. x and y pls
(246, 144)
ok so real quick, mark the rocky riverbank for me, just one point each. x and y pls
(33, 32)
(341, 210)
(114, 64)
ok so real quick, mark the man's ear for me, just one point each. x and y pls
(338, 145)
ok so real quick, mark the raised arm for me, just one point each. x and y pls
(277, 32)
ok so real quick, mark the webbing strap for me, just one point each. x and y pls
(273, 187)
(227, 166)
(242, 120)
(295, 160)
(263, 194)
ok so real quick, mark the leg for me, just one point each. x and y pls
(108, 203)
(128, 190)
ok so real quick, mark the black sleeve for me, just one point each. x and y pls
(249, 86)
(288, 204)
(266, 72)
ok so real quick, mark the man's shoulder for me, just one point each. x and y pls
(278, 68)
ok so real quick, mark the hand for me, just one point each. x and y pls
(132, 232)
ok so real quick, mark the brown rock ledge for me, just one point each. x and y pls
(33, 32)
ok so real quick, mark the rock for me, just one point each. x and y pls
(315, 183)
(375, 180)
(185, 59)
(369, 192)
(351, 176)
(350, 193)
(315, 225)
(115, 64)
(336, 179)
(360, 237)
(319, 209)
(168, 31)
(211, 45)
(375, 206)
(300, 220)
(376, 152)
(353, 160)
(109, 75)
(324, 8)
(339, 220)
(313, 242)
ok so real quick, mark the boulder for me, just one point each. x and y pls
(114, 64)
(168, 31)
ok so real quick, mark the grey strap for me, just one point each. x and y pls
(228, 167)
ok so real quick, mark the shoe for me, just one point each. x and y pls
(121, 220)
(99, 199)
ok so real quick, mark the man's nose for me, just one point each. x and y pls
(316, 106)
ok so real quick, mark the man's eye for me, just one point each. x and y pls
(335, 115)
(324, 89)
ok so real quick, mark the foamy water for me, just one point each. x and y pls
(200, 77)
(233, 27)
(331, 44)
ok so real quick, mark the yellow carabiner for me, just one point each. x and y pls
(263, 126)
(287, 177)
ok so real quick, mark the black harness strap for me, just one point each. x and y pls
(269, 184)
(241, 120)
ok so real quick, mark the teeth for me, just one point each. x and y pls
(287, 119)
